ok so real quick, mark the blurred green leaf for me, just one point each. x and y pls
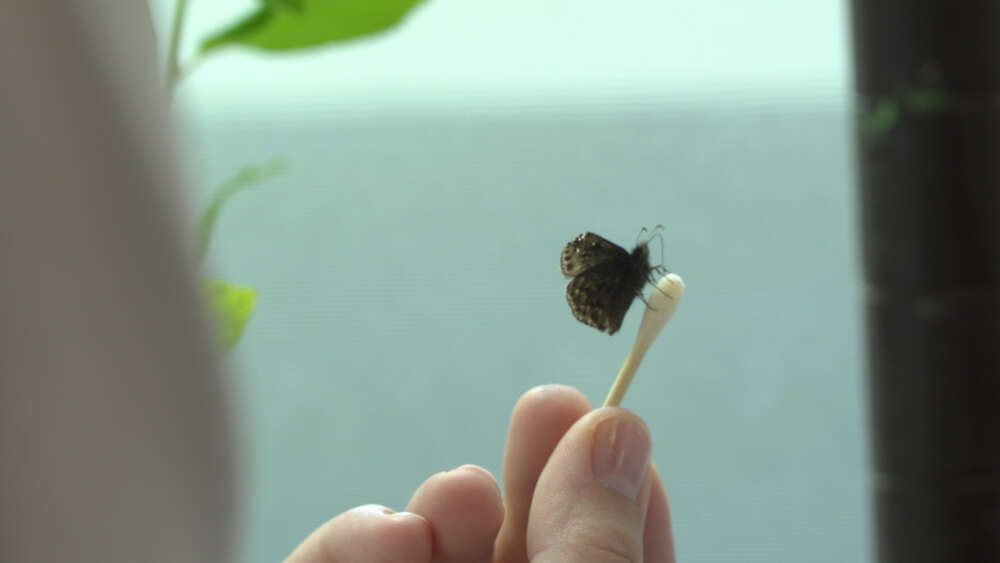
(295, 24)
(291, 4)
(231, 306)
(243, 179)
(882, 119)
(926, 101)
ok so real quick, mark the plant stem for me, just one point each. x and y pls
(173, 66)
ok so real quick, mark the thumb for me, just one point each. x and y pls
(590, 502)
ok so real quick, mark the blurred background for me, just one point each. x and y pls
(407, 271)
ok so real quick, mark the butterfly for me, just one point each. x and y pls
(606, 278)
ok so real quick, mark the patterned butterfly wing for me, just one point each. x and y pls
(599, 297)
(586, 251)
(606, 279)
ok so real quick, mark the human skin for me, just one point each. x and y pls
(578, 487)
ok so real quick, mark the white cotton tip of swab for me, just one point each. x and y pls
(662, 304)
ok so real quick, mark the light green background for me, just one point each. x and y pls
(519, 53)
(408, 261)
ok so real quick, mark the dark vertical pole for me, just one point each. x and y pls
(928, 133)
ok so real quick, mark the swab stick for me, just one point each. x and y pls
(662, 304)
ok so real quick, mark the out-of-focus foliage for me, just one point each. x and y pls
(279, 25)
(231, 306)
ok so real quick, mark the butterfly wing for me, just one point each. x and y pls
(601, 295)
(587, 251)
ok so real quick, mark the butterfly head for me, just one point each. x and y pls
(641, 252)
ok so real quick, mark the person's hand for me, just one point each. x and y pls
(578, 487)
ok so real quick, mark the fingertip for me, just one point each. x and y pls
(477, 488)
(412, 521)
(555, 390)
(592, 496)
(481, 473)
(465, 511)
(540, 419)
(554, 399)
(366, 533)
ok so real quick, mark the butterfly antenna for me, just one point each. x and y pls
(652, 234)
(662, 244)
(639, 236)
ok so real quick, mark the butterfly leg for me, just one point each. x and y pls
(652, 281)
(643, 298)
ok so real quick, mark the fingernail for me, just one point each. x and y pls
(476, 469)
(375, 509)
(621, 455)
(546, 388)
(473, 469)
(379, 511)
(407, 515)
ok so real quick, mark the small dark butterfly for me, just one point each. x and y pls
(606, 279)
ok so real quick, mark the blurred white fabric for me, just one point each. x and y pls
(114, 438)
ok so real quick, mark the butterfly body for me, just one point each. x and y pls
(606, 278)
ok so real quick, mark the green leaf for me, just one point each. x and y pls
(278, 25)
(244, 179)
(882, 119)
(290, 4)
(926, 101)
(231, 306)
